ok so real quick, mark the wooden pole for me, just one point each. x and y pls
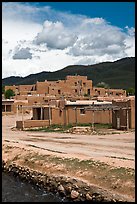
(22, 119)
(93, 118)
(127, 120)
(49, 116)
(76, 114)
(41, 113)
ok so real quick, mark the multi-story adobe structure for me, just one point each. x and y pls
(72, 86)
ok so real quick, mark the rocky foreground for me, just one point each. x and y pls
(51, 175)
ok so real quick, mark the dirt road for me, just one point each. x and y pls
(114, 149)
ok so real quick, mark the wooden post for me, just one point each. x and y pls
(93, 121)
(127, 120)
(109, 116)
(93, 118)
(76, 114)
(49, 116)
(22, 119)
(41, 114)
(16, 115)
(64, 116)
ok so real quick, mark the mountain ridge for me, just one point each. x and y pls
(118, 74)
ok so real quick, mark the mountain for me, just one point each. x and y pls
(118, 74)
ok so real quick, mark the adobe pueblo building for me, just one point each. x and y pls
(71, 101)
(72, 86)
(121, 114)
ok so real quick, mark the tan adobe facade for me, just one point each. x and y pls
(72, 86)
(7, 105)
(124, 118)
(63, 112)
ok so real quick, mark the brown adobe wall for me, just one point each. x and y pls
(73, 116)
(42, 87)
(23, 88)
(122, 114)
(131, 103)
(32, 123)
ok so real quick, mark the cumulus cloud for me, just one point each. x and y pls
(97, 37)
(54, 35)
(23, 53)
(42, 39)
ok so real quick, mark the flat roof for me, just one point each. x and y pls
(88, 102)
(8, 100)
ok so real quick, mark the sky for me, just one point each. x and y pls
(48, 36)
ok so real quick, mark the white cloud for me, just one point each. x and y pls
(54, 35)
(42, 39)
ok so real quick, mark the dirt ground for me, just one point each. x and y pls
(116, 151)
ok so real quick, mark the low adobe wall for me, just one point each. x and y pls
(31, 123)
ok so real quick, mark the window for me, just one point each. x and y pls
(75, 83)
(84, 84)
(59, 92)
(82, 111)
(75, 90)
(88, 92)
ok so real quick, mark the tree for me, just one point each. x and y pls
(3, 89)
(130, 92)
(9, 93)
(103, 85)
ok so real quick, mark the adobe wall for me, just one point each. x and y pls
(11, 87)
(58, 116)
(42, 87)
(122, 114)
(73, 116)
(98, 91)
(32, 123)
(24, 88)
(131, 103)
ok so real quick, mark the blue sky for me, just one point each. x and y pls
(117, 13)
(48, 36)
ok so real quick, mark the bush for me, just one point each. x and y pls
(130, 92)
(9, 93)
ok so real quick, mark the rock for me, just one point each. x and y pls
(61, 188)
(74, 194)
(68, 189)
(88, 196)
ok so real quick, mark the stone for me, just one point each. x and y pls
(61, 188)
(88, 196)
(74, 194)
(68, 189)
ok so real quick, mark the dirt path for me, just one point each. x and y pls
(116, 150)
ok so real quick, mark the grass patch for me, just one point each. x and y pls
(64, 128)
